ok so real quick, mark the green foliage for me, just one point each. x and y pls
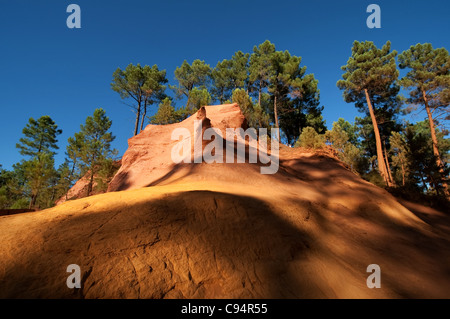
(347, 152)
(190, 76)
(401, 153)
(144, 85)
(374, 70)
(412, 148)
(105, 174)
(40, 137)
(229, 75)
(21, 203)
(199, 98)
(375, 178)
(239, 69)
(368, 68)
(64, 180)
(221, 81)
(309, 138)
(93, 145)
(429, 73)
(370, 79)
(254, 114)
(350, 129)
(260, 68)
(37, 172)
(293, 95)
(166, 113)
(14, 186)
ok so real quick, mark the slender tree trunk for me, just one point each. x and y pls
(143, 116)
(403, 174)
(259, 94)
(91, 182)
(72, 172)
(138, 115)
(381, 163)
(435, 146)
(188, 100)
(275, 113)
(33, 200)
(386, 158)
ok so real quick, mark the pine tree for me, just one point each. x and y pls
(94, 142)
(428, 82)
(190, 76)
(400, 154)
(347, 152)
(260, 68)
(254, 114)
(166, 113)
(199, 97)
(239, 70)
(295, 96)
(39, 143)
(350, 129)
(222, 81)
(370, 72)
(285, 71)
(144, 85)
(309, 138)
(40, 137)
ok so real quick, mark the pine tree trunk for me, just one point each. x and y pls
(138, 115)
(435, 146)
(188, 99)
(403, 174)
(91, 182)
(259, 95)
(386, 158)
(380, 157)
(275, 113)
(33, 201)
(143, 116)
(72, 172)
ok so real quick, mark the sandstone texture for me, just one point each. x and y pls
(227, 231)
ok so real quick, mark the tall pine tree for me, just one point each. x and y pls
(428, 82)
(93, 145)
(39, 144)
(191, 76)
(370, 72)
(144, 85)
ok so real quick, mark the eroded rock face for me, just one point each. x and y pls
(148, 158)
(227, 231)
(79, 190)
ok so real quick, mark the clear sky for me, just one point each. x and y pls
(48, 69)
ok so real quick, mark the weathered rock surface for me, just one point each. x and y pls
(79, 190)
(148, 158)
(227, 231)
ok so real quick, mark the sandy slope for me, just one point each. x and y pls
(226, 231)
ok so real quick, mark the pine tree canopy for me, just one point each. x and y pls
(40, 137)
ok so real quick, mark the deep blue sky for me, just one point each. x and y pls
(48, 69)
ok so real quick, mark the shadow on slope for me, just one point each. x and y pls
(196, 244)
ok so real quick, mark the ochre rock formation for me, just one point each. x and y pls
(148, 158)
(227, 231)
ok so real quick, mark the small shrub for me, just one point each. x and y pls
(309, 138)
